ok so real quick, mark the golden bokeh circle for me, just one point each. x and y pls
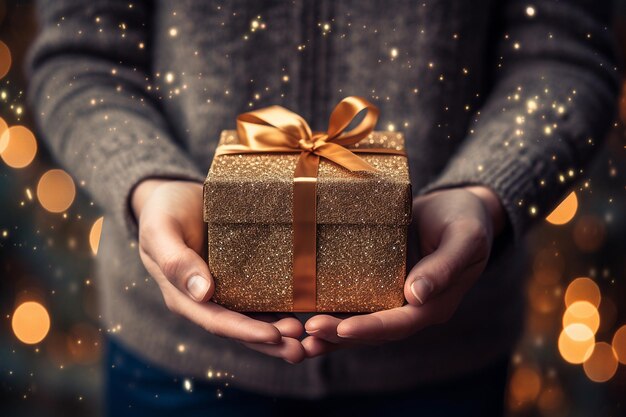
(565, 211)
(56, 191)
(601, 364)
(19, 146)
(5, 59)
(582, 312)
(30, 322)
(4, 140)
(583, 289)
(619, 344)
(576, 343)
(94, 235)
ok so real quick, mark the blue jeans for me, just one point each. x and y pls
(136, 388)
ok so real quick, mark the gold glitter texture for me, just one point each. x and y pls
(361, 233)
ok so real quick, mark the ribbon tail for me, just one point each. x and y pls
(343, 157)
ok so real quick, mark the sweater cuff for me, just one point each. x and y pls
(154, 158)
(512, 174)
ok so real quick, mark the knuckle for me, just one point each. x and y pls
(446, 269)
(477, 233)
(171, 265)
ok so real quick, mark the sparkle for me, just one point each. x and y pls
(173, 32)
(516, 45)
(393, 53)
(530, 11)
(169, 77)
(187, 385)
(181, 348)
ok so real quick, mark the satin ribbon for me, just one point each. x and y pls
(275, 129)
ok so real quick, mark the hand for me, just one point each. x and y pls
(454, 230)
(171, 236)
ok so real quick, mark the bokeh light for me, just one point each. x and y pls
(565, 211)
(525, 385)
(56, 191)
(94, 235)
(576, 343)
(551, 401)
(5, 59)
(601, 364)
(582, 312)
(19, 146)
(30, 322)
(582, 289)
(619, 344)
(544, 298)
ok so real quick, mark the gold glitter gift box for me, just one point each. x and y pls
(360, 229)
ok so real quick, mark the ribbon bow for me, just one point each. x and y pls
(275, 129)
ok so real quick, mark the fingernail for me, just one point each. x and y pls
(197, 287)
(290, 362)
(313, 331)
(421, 289)
(345, 336)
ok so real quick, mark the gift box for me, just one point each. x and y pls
(296, 225)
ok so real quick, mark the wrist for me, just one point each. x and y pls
(142, 192)
(492, 204)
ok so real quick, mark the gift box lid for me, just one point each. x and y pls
(257, 188)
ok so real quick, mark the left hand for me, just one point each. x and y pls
(454, 229)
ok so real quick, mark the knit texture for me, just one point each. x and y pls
(486, 92)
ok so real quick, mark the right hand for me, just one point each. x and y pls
(171, 237)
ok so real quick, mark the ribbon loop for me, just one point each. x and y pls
(276, 127)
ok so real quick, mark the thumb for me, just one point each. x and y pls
(180, 264)
(439, 270)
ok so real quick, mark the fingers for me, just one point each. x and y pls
(288, 348)
(387, 325)
(463, 245)
(180, 265)
(220, 321)
(324, 326)
(314, 346)
(287, 325)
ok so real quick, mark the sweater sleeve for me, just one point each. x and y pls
(548, 111)
(90, 95)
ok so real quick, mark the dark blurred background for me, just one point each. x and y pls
(46, 252)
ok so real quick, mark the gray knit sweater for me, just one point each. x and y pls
(493, 92)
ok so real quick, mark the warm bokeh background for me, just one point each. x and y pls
(50, 341)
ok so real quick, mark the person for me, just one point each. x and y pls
(502, 104)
